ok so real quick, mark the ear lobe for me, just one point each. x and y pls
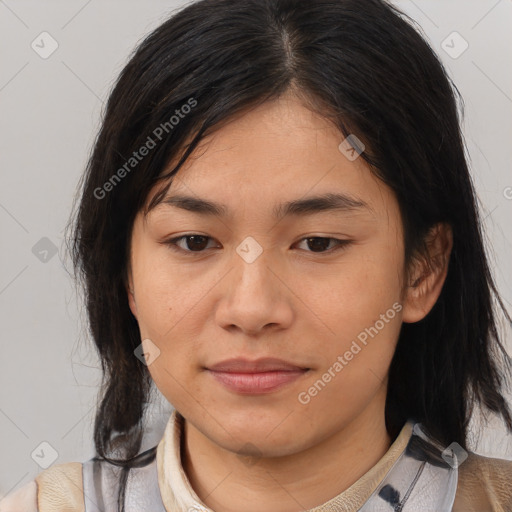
(428, 274)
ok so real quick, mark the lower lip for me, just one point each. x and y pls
(257, 383)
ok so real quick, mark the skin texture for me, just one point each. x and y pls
(294, 302)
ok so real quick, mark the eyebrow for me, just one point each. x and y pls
(299, 207)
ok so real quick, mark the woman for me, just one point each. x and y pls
(278, 229)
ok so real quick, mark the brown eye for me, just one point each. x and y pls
(318, 244)
(196, 242)
(191, 243)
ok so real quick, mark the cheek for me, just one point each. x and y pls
(360, 304)
(164, 293)
(356, 360)
(355, 292)
(167, 304)
(375, 279)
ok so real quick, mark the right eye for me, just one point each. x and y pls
(193, 242)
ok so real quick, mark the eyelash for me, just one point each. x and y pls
(172, 243)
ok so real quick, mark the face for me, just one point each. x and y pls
(317, 287)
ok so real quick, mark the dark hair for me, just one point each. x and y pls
(360, 64)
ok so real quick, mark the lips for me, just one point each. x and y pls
(261, 376)
(265, 364)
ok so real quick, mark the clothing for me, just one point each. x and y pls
(412, 476)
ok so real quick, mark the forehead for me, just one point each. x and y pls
(270, 156)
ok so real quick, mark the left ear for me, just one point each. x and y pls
(428, 274)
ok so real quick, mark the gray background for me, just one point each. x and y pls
(49, 373)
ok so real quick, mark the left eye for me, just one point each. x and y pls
(195, 243)
(319, 243)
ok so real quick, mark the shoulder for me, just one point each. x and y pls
(23, 499)
(69, 487)
(60, 487)
(56, 489)
(484, 484)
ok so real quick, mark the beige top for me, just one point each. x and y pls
(485, 484)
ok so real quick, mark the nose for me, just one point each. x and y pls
(255, 297)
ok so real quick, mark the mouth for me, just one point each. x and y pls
(260, 376)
